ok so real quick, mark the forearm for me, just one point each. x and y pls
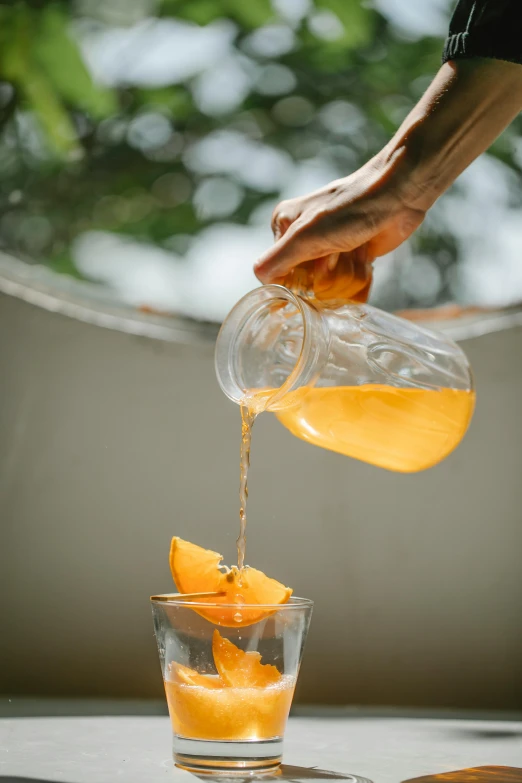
(468, 104)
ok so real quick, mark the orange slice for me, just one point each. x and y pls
(185, 676)
(239, 669)
(197, 570)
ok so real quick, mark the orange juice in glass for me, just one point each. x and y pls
(230, 667)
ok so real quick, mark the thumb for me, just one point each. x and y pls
(288, 252)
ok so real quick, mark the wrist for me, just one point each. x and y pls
(419, 178)
(404, 178)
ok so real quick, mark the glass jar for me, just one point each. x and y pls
(351, 378)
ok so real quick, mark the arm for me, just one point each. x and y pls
(468, 105)
(337, 231)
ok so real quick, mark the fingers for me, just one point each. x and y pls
(302, 243)
(324, 269)
(349, 279)
(309, 237)
(283, 216)
(335, 277)
(292, 249)
(307, 231)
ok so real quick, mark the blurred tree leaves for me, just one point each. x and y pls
(176, 100)
(39, 57)
(251, 15)
(56, 52)
(247, 13)
(358, 21)
(76, 155)
(20, 66)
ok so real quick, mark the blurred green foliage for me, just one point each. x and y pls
(67, 156)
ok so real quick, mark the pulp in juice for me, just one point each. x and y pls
(228, 713)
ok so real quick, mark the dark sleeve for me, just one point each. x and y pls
(485, 28)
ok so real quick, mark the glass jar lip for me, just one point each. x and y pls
(176, 599)
(240, 313)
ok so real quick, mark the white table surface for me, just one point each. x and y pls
(137, 749)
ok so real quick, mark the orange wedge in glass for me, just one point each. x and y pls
(185, 676)
(239, 669)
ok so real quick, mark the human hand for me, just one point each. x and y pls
(326, 241)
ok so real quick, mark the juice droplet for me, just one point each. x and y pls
(239, 599)
(238, 617)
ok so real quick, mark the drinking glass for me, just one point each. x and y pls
(229, 710)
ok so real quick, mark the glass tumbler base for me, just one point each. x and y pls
(227, 756)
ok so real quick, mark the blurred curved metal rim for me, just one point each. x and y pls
(94, 305)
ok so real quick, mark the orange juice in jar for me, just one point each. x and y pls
(349, 378)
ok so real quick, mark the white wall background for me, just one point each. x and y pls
(111, 444)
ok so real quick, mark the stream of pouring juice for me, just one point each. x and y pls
(251, 406)
(247, 421)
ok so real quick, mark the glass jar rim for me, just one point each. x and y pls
(244, 309)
